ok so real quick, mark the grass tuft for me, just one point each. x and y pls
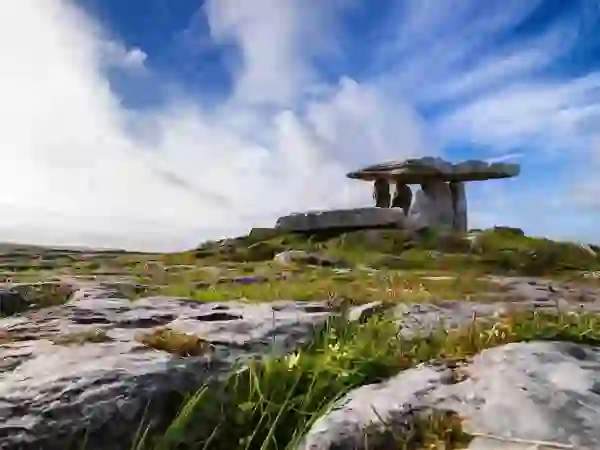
(175, 342)
(94, 335)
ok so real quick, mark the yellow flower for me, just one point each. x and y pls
(334, 348)
(292, 360)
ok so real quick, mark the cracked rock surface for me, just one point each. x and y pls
(518, 294)
(514, 395)
(546, 393)
(51, 392)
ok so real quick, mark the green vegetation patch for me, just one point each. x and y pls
(318, 284)
(94, 335)
(429, 430)
(500, 250)
(23, 297)
(273, 403)
(532, 256)
(175, 342)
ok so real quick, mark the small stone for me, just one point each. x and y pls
(362, 313)
(300, 256)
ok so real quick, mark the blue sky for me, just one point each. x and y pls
(157, 124)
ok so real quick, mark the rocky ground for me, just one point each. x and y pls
(361, 340)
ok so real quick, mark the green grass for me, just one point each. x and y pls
(175, 342)
(270, 405)
(355, 286)
(498, 251)
(430, 430)
(93, 335)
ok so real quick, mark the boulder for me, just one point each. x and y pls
(12, 302)
(531, 392)
(509, 230)
(343, 219)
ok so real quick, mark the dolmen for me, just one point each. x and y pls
(440, 201)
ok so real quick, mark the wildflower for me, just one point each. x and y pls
(292, 360)
(335, 347)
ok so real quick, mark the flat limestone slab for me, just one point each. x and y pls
(417, 170)
(343, 218)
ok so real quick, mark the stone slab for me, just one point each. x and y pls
(343, 218)
(417, 170)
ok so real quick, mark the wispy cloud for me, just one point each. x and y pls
(507, 157)
(491, 85)
(276, 39)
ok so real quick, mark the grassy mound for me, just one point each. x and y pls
(374, 264)
(498, 250)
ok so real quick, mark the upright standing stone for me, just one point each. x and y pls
(433, 206)
(459, 202)
(420, 210)
(442, 198)
(402, 197)
(381, 193)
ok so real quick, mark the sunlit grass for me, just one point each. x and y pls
(93, 335)
(174, 342)
(273, 403)
(327, 284)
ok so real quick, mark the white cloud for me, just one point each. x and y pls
(505, 157)
(365, 126)
(73, 175)
(277, 38)
(557, 114)
(115, 55)
(432, 41)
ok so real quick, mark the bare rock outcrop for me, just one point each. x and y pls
(541, 395)
(52, 392)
